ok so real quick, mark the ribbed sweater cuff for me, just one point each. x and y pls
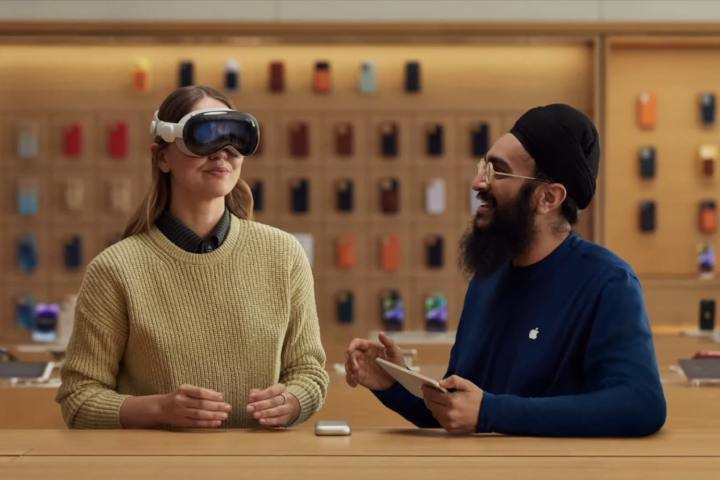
(308, 403)
(101, 411)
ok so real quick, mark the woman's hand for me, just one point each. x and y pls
(195, 407)
(273, 406)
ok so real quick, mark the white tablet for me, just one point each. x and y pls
(412, 381)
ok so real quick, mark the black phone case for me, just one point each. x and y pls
(707, 315)
(648, 222)
(647, 162)
(187, 74)
(434, 141)
(480, 138)
(389, 141)
(434, 252)
(707, 109)
(258, 193)
(73, 253)
(301, 196)
(232, 81)
(345, 307)
(345, 195)
(412, 77)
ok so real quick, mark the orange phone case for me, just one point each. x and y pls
(390, 253)
(345, 252)
(708, 219)
(321, 79)
(647, 110)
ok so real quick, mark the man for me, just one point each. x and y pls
(554, 337)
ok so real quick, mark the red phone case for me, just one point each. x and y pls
(118, 140)
(72, 140)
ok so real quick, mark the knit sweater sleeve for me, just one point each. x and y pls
(303, 357)
(88, 396)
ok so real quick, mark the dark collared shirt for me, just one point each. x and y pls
(178, 233)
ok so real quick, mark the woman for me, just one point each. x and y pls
(199, 316)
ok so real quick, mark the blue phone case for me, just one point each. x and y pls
(73, 253)
(27, 253)
(368, 80)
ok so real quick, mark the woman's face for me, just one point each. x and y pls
(202, 178)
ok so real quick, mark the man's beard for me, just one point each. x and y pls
(509, 234)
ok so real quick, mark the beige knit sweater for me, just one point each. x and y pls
(151, 317)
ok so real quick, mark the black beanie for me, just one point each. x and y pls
(564, 144)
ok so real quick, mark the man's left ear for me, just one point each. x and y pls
(551, 196)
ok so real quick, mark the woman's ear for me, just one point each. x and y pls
(551, 197)
(158, 155)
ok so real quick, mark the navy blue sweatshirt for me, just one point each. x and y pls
(561, 348)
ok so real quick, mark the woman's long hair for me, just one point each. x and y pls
(178, 104)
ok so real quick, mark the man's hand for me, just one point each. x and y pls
(273, 406)
(458, 411)
(361, 367)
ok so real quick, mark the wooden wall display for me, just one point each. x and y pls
(676, 71)
(55, 86)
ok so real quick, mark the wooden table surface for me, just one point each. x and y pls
(382, 443)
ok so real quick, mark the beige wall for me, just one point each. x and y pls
(363, 10)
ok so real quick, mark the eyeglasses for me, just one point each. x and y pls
(487, 171)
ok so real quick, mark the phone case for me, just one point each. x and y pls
(28, 197)
(258, 192)
(367, 83)
(345, 305)
(72, 140)
(707, 315)
(648, 216)
(436, 313)
(479, 140)
(392, 310)
(646, 156)
(345, 195)
(647, 110)
(72, 251)
(389, 133)
(434, 140)
(232, 75)
(300, 196)
(25, 311)
(390, 253)
(435, 197)
(118, 140)
(390, 196)
(412, 77)
(299, 140)
(345, 250)
(141, 76)
(277, 77)
(707, 109)
(322, 81)
(708, 157)
(28, 140)
(120, 195)
(74, 194)
(27, 253)
(435, 252)
(344, 139)
(187, 74)
(708, 216)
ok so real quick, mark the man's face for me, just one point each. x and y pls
(504, 225)
(507, 155)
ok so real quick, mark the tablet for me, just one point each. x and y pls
(26, 371)
(412, 381)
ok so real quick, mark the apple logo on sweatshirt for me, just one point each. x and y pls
(533, 334)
